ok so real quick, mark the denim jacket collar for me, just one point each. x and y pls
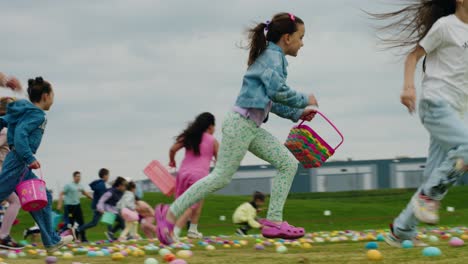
(273, 46)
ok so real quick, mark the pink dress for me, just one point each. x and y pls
(195, 167)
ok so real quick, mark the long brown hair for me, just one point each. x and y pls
(192, 136)
(280, 24)
(411, 24)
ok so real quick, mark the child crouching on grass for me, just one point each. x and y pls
(246, 214)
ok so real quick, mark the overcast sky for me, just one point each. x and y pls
(129, 75)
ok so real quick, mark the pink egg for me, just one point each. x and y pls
(456, 242)
(178, 261)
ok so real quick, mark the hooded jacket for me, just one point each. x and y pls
(26, 124)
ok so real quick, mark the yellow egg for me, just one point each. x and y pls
(117, 256)
(374, 255)
(306, 245)
(227, 246)
(237, 245)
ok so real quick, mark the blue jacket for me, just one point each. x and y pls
(265, 81)
(99, 188)
(26, 123)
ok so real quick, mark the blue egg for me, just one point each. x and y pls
(431, 252)
(372, 245)
(380, 237)
(407, 244)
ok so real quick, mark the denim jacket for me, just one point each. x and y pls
(265, 81)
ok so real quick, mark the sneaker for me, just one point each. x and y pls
(9, 243)
(194, 234)
(425, 209)
(240, 232)
(65, 240)
(73, 232)
(109, 235)
(394, 241)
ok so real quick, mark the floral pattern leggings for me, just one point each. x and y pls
(239, 136)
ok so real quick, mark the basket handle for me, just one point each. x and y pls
(333, 125)
(26, 170)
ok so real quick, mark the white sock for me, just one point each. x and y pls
(193, 227)
(177, 231)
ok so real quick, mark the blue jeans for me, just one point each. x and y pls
(93, 223)
(13, 169)
(118, 225)
(448, 142)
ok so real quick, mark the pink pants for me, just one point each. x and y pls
(148, 227)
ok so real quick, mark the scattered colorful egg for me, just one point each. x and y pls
(374, 255)
(169, 257)
(306, 245)
(259, 247)
(210, 247)
(117, 256)
(407, 244)
(150, 261)
(281, 249)
(431, 252)
(163, 252)
(178, 261)
(456, 242)
(372, 245)
(51, 260)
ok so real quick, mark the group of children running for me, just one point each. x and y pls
(434, 29)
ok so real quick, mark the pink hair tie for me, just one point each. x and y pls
(292, 17)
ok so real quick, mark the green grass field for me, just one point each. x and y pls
(362, 210)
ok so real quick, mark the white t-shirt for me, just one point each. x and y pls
(446, 76)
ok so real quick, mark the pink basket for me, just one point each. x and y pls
(129, 215)
(32, 193)
(308, 147)
(159, 175)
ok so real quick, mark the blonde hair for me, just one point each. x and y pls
(4, 101)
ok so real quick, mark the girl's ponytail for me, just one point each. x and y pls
(257, 42)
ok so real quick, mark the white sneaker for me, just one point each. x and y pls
(65, 240)
(194, 234)
(394, 241)
(425, 209)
